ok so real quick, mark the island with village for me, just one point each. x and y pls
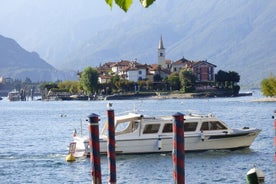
(126, 79)
(183, 78)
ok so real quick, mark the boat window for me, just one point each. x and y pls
(212, 125)
(135, 125)
(204, 126)
(216, 125)
(167, 128)
(126, 127)
(151, 128)
(189, 127)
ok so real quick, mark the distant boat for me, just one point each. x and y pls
(248, 93)
(14, 95)
(136, 133)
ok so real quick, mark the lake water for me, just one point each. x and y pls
(34, 136)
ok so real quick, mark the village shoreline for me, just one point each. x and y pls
(165, 95)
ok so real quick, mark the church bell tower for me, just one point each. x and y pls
(161, 54)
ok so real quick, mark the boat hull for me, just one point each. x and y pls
(162, 144)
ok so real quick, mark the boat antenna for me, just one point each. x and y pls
(135, 108)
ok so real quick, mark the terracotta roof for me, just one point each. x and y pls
(121, 63)
(203, 62)
(154, 67)
(181, 61)
(189, 63)
(108, 64)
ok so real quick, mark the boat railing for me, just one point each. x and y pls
(210, 115)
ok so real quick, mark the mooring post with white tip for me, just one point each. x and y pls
(178, 154)
(111, 154)
(93, 128)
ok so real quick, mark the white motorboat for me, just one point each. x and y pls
(14, 95)
(135, 134)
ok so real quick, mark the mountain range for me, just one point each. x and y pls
(236, 35)
(17, 63)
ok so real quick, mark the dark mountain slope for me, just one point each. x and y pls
(17, 63)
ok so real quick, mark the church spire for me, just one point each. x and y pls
(161, 43)
(161, 54)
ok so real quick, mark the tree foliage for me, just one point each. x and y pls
(70, 86)
(89, 80)
(157, 78)
(174, 81)
(234, 76)
(227, 79)
(125, 4)
(49, 85)
(124, 85)
(268, 86)
(187, 80)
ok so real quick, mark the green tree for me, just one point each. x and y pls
(113, 82)
(187, 80)
(114, 79)
(227, 79)
(124, 85)
(268, 86)
(125, 4)
(70, 86)
(174, 81)
(48, 86)
(89, 80)
(233, 76)
(157, 78)
(221, 77)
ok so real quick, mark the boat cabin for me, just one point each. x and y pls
(164, 125)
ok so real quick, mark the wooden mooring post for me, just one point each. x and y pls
(93, 127)
(111, 154)
(178, 153)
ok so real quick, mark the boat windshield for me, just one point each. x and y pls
(212, 125)
(126, 127)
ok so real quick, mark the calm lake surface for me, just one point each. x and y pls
(34, 136)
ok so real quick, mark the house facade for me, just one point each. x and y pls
(203, 70)
(179, 64)
(155, 69)
(129, 70)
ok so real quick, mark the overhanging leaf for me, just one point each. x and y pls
(124, 4)
(109, 2)
(146, 3)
